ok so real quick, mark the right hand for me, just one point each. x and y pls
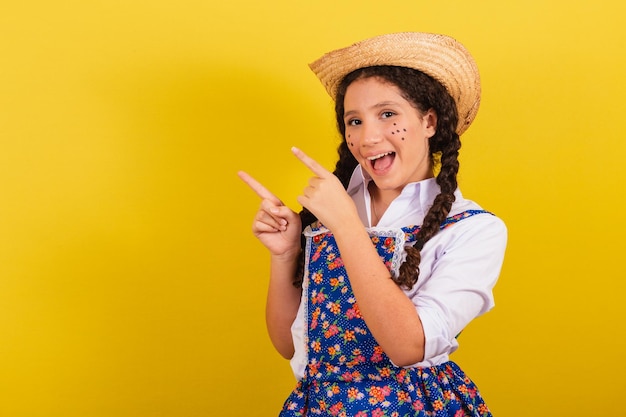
(275, 225)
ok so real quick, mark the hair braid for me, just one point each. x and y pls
(447, 142)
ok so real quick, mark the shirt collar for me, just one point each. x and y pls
(428, 188)
(358, 178)
(409, 207)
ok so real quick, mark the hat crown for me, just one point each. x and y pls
(440, 56)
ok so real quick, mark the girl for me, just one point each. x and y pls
(394, 262)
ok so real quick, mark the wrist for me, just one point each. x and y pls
(288, 257)
(348, 227)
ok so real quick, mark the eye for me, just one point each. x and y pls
(387, 114)
(353, 122)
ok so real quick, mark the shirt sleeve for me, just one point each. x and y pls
(298, 334)
(458, 271)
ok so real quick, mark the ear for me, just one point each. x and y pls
(430, 122)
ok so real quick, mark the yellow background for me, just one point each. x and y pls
(130, 284)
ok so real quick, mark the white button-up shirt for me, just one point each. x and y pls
(459, 267)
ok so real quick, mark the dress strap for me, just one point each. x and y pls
(411, 232)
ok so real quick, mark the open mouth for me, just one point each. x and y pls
(382, 161)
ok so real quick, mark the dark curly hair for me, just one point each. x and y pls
(424, 93)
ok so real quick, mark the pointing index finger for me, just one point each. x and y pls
(311, 163)
(258, 188)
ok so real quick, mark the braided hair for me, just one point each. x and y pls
(424, 93)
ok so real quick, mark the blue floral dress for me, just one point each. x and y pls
(347, 373)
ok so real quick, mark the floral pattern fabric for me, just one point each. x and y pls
(347, 373)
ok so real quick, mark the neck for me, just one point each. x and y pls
(380, 201)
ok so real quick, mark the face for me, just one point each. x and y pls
(387, 135)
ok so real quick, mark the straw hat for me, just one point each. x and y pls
(439, 56)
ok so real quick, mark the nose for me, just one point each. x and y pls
(372, 134)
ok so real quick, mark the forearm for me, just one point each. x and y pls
(388, 312)
(283, 300)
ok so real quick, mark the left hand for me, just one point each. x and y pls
(325, 196)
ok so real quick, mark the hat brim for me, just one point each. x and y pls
(440, 56)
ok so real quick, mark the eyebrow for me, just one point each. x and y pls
(375, 106)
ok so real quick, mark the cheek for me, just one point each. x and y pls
(354, 150)
(399, 131)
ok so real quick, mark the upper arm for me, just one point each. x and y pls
(459, 269)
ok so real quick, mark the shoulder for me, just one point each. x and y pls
(473, 247)
(487, 219)
(480, 234)
(474, 229)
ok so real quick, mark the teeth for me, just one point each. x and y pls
(371, 158)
